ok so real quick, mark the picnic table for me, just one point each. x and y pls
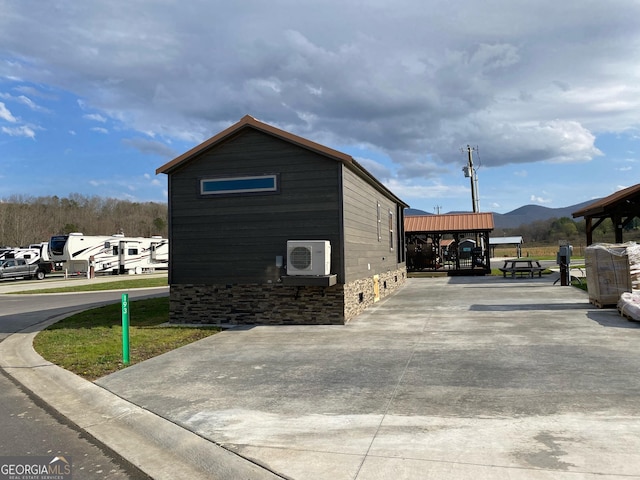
(521, 266)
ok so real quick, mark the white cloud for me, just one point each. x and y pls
(96, 117)
(5, 114)
(538, 199)
(377, 76)
(22, 131)
(153, 180)
(526, 82)
(23, 99)
(100, 130)
(409, 192)
(30, 103)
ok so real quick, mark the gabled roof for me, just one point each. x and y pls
(505, 240)
(626, 200)
(250, 122)
(452, 223)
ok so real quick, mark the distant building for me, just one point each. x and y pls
(251, 213)
(514, 241)
(465, 248)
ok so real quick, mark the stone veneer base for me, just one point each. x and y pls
(277, 304)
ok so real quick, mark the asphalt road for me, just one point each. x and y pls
(31, 428)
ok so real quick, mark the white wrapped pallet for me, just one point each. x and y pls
(633, 252)
(629, 305)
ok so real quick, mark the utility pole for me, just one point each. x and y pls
(470, 172)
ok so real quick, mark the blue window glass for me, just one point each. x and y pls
(235, 185)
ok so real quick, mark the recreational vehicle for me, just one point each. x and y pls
(114, 254)
(7, 253)
(33, 253)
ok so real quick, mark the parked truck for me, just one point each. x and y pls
(21, 268)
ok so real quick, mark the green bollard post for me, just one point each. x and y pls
(125, 328)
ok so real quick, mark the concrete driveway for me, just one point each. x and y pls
(450, 378)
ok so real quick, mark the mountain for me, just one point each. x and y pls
(523, 215)
(415, 211)
(533, 213)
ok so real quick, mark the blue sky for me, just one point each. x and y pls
(95, 95)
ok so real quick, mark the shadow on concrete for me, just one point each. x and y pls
(611, 318)
(510, 307)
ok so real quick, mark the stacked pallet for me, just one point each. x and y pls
(608, 273)
(612, 269)
(613, 277)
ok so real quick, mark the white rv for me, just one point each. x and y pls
(32, 254)
(114, 254)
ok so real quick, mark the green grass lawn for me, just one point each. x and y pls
(89, 344)
(95, 287)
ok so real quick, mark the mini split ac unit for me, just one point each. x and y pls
(308, 257)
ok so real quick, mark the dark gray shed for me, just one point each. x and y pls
(240, 198)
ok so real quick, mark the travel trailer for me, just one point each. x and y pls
(33, 253)
(26, 253)
(114, 254)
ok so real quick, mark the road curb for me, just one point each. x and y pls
(157, 446)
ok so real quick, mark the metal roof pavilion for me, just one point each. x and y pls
(621, 207)
(425, 237)
(449, 223)
(505, 240)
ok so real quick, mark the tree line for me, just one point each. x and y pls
(548, 232)
(26, 220)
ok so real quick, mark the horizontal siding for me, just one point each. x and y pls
(236, 239)
(366, 255)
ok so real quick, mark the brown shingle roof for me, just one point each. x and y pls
(250, 122)
(604, 204)
(454, 222)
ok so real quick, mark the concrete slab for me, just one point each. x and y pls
(450, 378)
(157, 446)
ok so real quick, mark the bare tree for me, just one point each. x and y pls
(25, 220)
